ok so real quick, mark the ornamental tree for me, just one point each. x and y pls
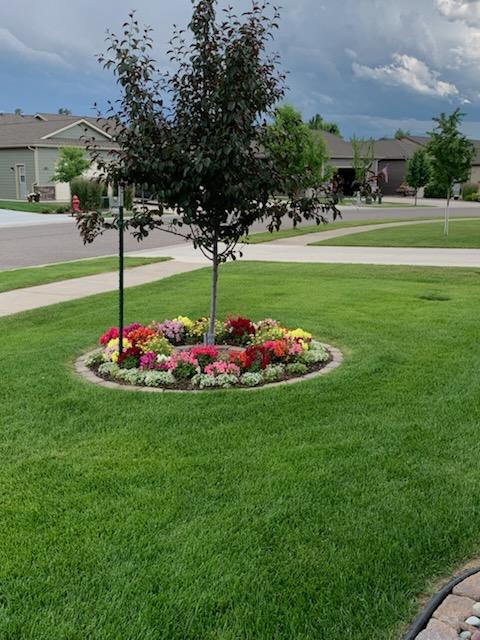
(299, 155)
(451, 155)
(71, 164)
(418, 171)
(198, 138)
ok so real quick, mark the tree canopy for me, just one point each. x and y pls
(71, 164)
(317, 123)
(451, 155)
(418, 171)
(198, 137)
(401, 133)
(450, 151)
(297, 153)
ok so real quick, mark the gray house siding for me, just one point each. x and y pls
(8, 159)
(396, 175)
(77, 132)
(47, 159)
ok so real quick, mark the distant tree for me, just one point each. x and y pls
(363, 158)
(419, 171)
(401, 133)
(198, 137)
(451, 155)
(18, 111)
(71, 164)
(317, 123)
(64, 112)
(297, 154)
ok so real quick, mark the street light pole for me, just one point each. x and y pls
(121, 232)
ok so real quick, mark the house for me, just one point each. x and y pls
(30, 147)
(391, 155)
(388, 154)
(418, 142)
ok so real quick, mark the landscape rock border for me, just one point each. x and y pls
(86, 373)
(453, 613)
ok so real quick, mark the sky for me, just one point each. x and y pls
(370, 65)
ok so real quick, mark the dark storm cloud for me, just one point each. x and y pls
(372, 65)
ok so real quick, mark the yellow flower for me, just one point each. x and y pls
(302, 336)
(111, 352)
(299, 334)
(185, 321)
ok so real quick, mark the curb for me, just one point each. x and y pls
(420, 623)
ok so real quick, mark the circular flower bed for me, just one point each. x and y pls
(170, 354)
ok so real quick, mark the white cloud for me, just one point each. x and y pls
(11, 44)
(351, 54)
(467, 11)
(407, 71)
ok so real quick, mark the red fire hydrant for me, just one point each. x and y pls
(76, 204)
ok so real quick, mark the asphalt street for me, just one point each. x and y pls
(27, 240)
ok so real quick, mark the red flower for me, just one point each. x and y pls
(205, 355)
(209, 351)
(111, 334)
(252, 359)
(239, 328)
(129, 358)
(140, 335)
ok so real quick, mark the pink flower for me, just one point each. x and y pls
(221, 367)
(148, 360)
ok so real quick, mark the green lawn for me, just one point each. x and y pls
(32, 207)
(266, 236)
(462, 234)
(318, 510)
(31, 277)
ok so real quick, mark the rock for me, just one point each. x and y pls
(470, 587)
(466, 635)
(454, 610)
(476, 608)
(476, 635)
(437, 630)
(473, 620)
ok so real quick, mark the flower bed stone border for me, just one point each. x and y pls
(86, 373)
(453, 614)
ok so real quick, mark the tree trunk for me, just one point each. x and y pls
(416, 196)
(210, 336)
(447, 211)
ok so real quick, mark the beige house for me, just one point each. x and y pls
(30, 147)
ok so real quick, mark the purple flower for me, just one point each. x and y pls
(173, 330)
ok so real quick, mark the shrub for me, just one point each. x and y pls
(94, 359)
(297, 369)
(108, 369)
(130, 376)
(251, 379)
(469, 189)
(472, 197)
(89, 192)
(158, 379)
(223, 381)
(61, 210)
(273, 372)
(433, 190)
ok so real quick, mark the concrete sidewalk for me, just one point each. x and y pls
(186, 259)
(46, 294)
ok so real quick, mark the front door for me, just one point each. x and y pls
(21, 182)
